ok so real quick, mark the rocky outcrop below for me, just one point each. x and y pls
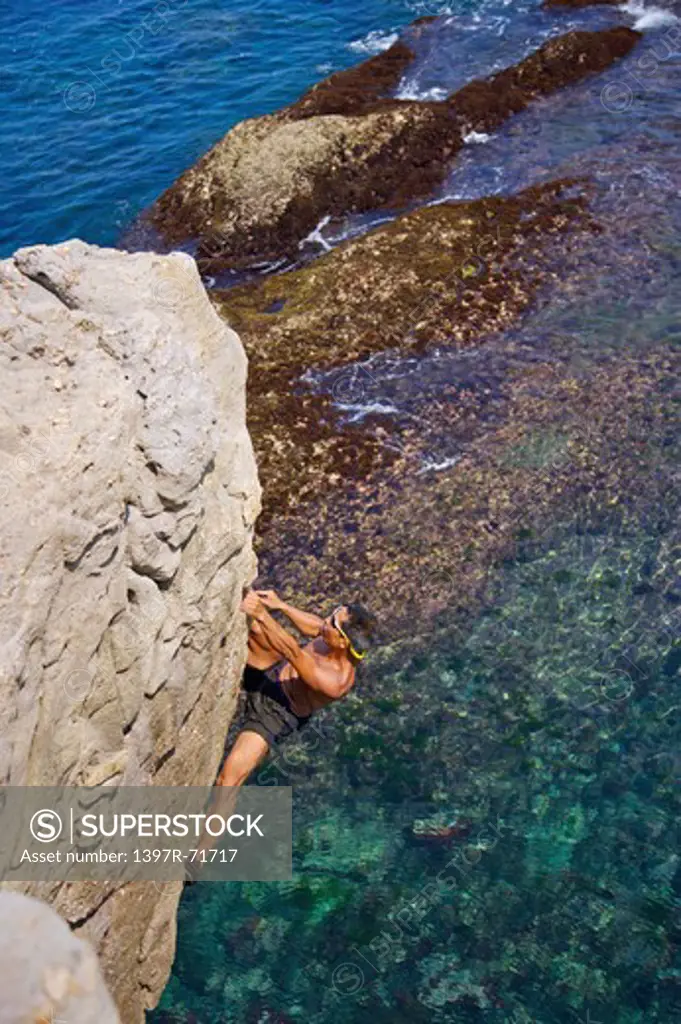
(47, 974)
(346, 146)
(129, 495)
(446, 274)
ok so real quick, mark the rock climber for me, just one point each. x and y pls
(286, 682)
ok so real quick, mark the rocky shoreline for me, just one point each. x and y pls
(462, 277)
(346, 146)
(454, 274)
(479, 266)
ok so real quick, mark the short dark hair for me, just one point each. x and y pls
(360, 627)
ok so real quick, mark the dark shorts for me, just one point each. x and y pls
(268, 711)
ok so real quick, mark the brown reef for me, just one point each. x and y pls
(423, 548)
(358, 89)
(448, 274)
(345, 148)
(348, 509)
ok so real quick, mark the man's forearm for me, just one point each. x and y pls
(307, 622)
(276, 636)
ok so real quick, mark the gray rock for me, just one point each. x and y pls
(128, 496)
(47, 974)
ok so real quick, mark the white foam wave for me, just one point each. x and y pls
(360, 410)
(429, 7)
(476, 138)
(270, 267)
(433, 466)
(374, 42)
(412, 91)
(648, 17)
(316, 235)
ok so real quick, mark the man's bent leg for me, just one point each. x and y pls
(248, 751)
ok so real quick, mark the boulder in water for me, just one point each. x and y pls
(347, 147)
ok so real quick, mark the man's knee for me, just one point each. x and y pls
(231, 778)
(247, 753)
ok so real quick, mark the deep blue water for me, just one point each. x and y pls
(107, 102)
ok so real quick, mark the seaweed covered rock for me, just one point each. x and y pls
(347, 146)
(444, 274)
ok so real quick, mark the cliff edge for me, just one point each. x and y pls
(128, 496)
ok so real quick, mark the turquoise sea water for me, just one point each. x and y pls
(545, 731)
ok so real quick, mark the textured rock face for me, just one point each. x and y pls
(346, 147)
(46, 972)
(128, 492)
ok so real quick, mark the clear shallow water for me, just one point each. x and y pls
(549, 734)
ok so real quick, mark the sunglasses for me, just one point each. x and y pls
(345, 636)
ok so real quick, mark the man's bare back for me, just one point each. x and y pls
(304, 700)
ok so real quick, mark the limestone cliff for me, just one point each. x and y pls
(128, 494)
(46, 972)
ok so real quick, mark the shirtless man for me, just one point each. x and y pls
(287, 683)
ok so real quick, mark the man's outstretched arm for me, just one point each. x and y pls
(308, 623)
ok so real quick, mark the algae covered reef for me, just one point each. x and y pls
(348, 145)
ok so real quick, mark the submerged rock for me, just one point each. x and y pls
(345, 146)
(440, 827)
(128, 497)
